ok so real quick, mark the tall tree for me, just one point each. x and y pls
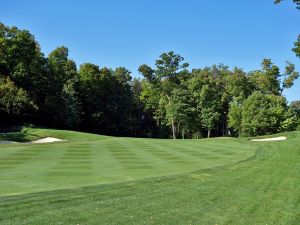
(13, 100)
(235, 117)
(50, 91)
(61, 102)
(106, 99)
(209, 107)
(179, 110)
(214, 78)
(22, 62)
(169, 70)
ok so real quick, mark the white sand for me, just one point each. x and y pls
(40, 141)
(271, 139)
(7, 142)
(47, 140)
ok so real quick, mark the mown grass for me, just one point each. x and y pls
(262, 190)
(32, 134)
(91, 159)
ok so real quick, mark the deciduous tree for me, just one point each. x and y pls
(165, 78)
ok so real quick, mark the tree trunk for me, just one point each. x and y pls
(208, 133)
(173, 129)
(183, 134)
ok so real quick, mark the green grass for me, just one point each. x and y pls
(32, 134)
(225, 187)
(91, 159)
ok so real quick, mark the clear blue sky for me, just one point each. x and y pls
(129, 33)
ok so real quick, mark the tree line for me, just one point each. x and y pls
(170, 101)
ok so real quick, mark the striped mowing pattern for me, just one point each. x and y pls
(26, 168)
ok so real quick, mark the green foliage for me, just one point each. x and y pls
(15, 63)
(13, 100)
(295, 107)
(22, 62)
(61, 100)
(267, 80)
(169, 100)
(263, 114)
(123, 76)
(169, 72)
(106, 98)
(238, 85)
(289, 77)
(209, 104)
(289, 122)
(296, 49)
(179, 110)
(295, 110)
(235, 117)
(71, 108)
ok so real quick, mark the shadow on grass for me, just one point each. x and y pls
(17, 137)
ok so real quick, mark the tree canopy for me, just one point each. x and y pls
(171, 100)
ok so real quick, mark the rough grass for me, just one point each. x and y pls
(262, 190)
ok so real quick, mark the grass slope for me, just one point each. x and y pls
(32, 134)
(91, 159)
(262, 190)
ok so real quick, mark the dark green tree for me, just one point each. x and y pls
(13, 100)
(106, 99)
(62, 104)
(23, 63)
(295, 109)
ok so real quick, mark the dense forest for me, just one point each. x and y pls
(172, 100)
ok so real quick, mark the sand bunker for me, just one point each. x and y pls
(271, 139)
(47, 140)
(40, 141)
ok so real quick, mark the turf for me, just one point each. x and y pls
(262, 190)
(91, 159)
